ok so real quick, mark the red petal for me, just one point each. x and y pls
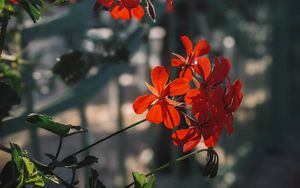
(204, 67)
(187, 44)
(120, 12)
(228, 122)
(106, 3)
(186, 73)
(188, 138)
(171, 116)
(191, 95)
(202, 48)
(219, 73)
(142, 103)
(160, 77)
(211, 133)
(176, 62)
(178, 87)
(155, 114)
(138, 12)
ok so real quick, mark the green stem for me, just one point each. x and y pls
(105, 138)
(59, 147)
(169, 164)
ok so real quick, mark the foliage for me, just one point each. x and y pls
(141, 181)
(28, 172)
(46, 122)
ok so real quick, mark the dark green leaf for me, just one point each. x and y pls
(94, 182)
(33, 8)
(87, 161)
(70, 161)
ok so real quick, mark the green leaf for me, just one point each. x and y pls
(46, 122)
(28, 173)
(141, 181)
(33, 8)
(94, 182)
(87, 161)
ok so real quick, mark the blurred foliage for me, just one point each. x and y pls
(33, 8)
(74, 66)
(9, 98)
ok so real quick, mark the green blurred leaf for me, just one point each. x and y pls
(2, 5)
(46, 122)
(94, 182)
(141, 181)
(33, 8)
(11, 76)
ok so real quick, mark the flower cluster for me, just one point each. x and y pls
(206, 108)
(127, 9)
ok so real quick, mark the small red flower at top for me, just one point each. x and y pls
(169, 6)
(163, 109)
(14, 1)
(124, 9)
(188, 65)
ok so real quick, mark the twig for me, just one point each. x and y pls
(103, 139)
(170, 163)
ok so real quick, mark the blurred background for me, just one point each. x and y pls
(96, 85)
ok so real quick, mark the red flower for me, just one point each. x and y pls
(232, 101)
(126, 9)
(187, 64)
(169, 6)
(162, 109)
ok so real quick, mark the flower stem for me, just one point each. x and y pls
(105, 138)
(169, 164)
(59, 147)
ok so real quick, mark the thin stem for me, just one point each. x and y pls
(169, 164)
(59, 147)
(105, 138)
(73, 176)
(4, 23)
